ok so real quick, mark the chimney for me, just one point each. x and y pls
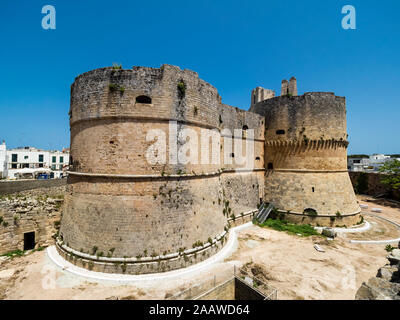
(284, 88)
(293, 86)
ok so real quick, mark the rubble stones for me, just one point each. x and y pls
(329, 232)
(386, 284)
(394, 256)
(388, 273)
(378, 289)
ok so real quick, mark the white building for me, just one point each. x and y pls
(31, 162)
(371, 164)
(3, 166)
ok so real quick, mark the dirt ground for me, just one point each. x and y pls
(289, 263)
(390, 210)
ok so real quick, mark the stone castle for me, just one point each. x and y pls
(123, 214)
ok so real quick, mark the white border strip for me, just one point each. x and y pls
(375, 241)
(348, 230)
(229, 247)
(378, 241)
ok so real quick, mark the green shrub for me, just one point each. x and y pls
(198, 243)
(310, 212)
(116, 66)
(389, 248)
(15, 253)
(113, 87)
(181, 88)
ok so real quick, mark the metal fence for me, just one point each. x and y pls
(197, 289)
(258, 284)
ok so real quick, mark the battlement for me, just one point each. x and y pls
(260, 94)
(147, 74)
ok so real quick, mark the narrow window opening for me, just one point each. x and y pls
(244, 131)
(313, 189)
(270, 166)
(280, 131)
(143, 99)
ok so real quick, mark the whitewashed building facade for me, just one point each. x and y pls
(29, 161)
(370, 164)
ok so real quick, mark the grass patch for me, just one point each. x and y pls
(305, 230)
(15, 253)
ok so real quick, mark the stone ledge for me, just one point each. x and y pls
(320, 215)
(308, 170)
(159, 176)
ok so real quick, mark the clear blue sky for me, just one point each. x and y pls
(234, 45)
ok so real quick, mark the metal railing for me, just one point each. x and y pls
(198, 289)
(258, 284)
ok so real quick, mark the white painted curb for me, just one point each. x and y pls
(378, 241)
(348, 230)
(375, 241)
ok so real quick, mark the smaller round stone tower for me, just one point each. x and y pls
(306, 157)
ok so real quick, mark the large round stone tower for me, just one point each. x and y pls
(306, 158)
(125, 212)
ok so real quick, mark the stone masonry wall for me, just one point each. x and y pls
(8, 187)
(373, 185)
(35, 211)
